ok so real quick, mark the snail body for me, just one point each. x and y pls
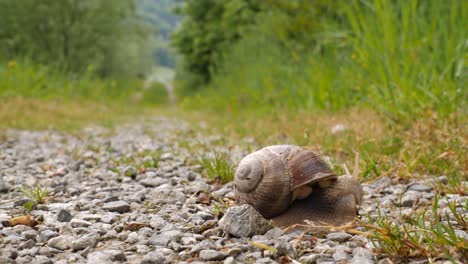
(289, 184)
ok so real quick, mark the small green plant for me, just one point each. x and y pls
(218, 168)
(38, 195)
(429, 233)
(220, 206)
(29, 206)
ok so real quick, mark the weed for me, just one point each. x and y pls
(217, 167)
(38, 195)
(219, 206)
(430, 233)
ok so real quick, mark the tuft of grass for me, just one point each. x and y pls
(219, 206)
(38, 195)
(217, 167)
(429, 233)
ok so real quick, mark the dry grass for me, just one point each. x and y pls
(430, 147)
(27, 113)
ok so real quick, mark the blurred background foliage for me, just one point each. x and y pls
(105, 36)
(402, 58)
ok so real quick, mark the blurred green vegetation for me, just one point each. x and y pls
(108, 36)
(391, 56)
(66, 63)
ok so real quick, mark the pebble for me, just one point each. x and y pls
(88, 240)
(64, 216)
(410, 199)
(117, 206)
(244, 221)
(62, 242)
(211, 255)
(160, 255)
(164, 238)
(362, 256)
(339, 236)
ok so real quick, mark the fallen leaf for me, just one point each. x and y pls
(23, 220)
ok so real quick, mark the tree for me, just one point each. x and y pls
(211, 26)
(76, 34)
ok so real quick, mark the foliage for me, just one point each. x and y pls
(77, 35)
(388, 55)
(209, 28)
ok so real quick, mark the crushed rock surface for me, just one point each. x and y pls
(133, 195)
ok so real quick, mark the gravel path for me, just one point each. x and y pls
(130, 196)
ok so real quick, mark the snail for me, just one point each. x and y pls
(289, 185)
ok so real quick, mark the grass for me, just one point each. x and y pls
(44, 97)
(218, 167)
(390, 56)
(429, 233)
(38, 195)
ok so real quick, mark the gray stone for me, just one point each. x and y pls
(254, 255)
(265, 260)
(64, 216)
(159, 255)
(88, 240)
(90, 217)
(41, 260)
(100, 257)
(211, 255)
(117, 206)
(420, 187)
(339, 236)
(75, 223)
(382, 183)
(30, 234)
(28, 244)
(47, 234)
(340, 254)
(229, 260)
(164, 238)
(284, 248)
(362, 256)
(410, 199)
(152, 182)
(116, 255)
(132, 238)
(244, 221)
(234, 252)
(274, 233)
(62, 242)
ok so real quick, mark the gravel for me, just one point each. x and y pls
(131, 195)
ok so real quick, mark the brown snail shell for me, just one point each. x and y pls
(272, 178)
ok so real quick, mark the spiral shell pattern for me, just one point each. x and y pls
(267, 178)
